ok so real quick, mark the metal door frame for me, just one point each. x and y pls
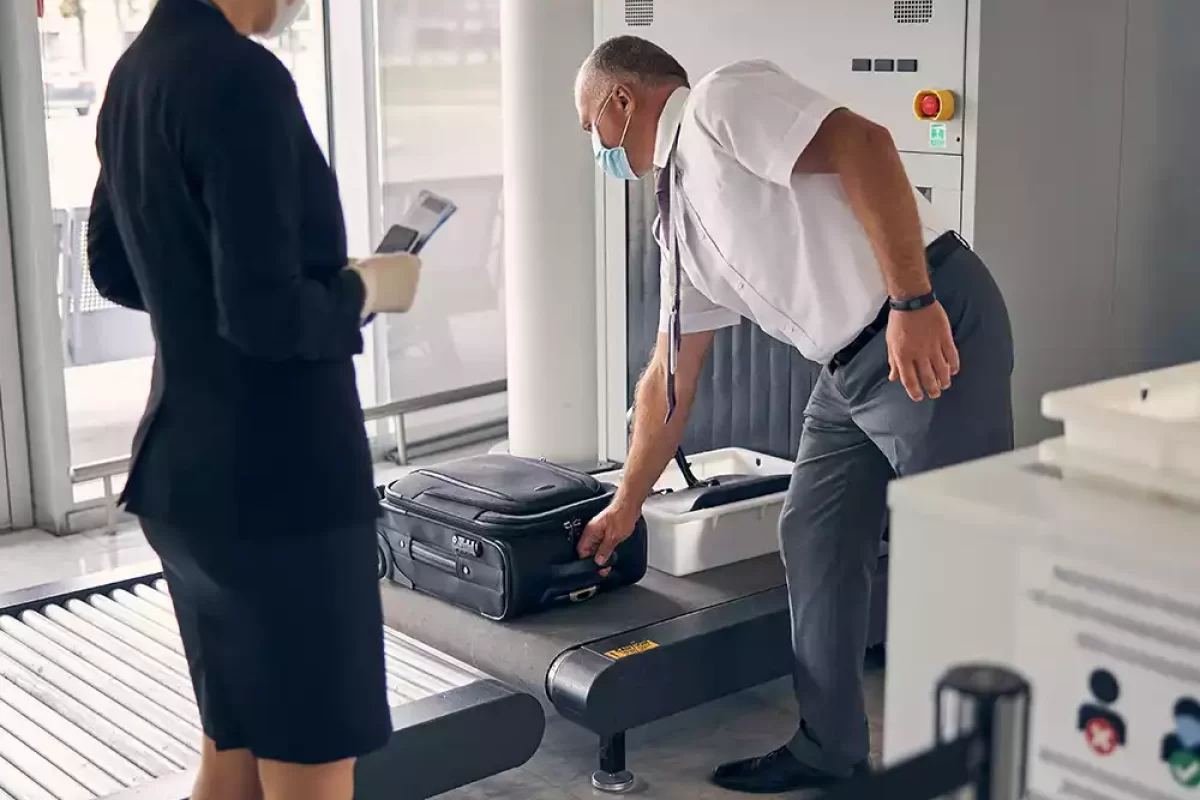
(16, 501)
(45, 497)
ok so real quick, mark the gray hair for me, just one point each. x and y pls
(633, 60)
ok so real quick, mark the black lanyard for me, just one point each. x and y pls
(671, 238)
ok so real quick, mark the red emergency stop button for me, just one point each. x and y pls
(934, 105)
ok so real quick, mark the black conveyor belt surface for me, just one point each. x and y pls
(520, 652)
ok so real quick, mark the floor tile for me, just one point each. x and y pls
(513, 784)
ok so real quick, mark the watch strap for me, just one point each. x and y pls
(913, 303)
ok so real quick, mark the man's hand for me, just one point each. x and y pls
(921, 351)
(607, 529)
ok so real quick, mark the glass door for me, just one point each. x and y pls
(438, 113)
(108, 351)
(80, 379)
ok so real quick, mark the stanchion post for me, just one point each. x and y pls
(990, 705)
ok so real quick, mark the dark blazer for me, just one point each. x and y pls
(217, 213)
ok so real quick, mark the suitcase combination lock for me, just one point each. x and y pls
(465, 546)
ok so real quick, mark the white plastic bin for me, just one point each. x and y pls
(682, 543)
(1142, 430)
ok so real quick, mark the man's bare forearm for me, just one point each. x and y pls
(882, 199)
(653, 443)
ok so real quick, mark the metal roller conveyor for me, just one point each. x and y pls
(16, 784)
(153, 595)
(101, 780)
(79, 714)
(128, 635)
(39, 769)
(128, 724)
(175, 679)
(167, 638)
(151, 613)
(430, 665)
(404, 680)
(83, 740)
(182, 706)
(170, 735)
(96, 701)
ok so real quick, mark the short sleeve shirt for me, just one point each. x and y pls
(756, 240)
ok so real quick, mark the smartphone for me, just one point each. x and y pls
(398, 239)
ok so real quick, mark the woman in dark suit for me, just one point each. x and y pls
(217, 214)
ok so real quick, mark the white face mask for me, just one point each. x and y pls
(285, 15)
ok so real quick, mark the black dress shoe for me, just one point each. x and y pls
(777, 772)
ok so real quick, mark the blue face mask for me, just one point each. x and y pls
(614, 161)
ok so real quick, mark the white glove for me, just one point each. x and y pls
(390, 282)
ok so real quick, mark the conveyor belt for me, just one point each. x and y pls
(637, 654)
(95, 699)
(521, 651)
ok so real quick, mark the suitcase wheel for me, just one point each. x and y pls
(385, 568)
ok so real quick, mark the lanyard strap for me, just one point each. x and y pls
(666, 184)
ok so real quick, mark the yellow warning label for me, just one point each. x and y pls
(631, 649)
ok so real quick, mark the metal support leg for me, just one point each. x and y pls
(110, 509)
(612, 776)
(401, 441)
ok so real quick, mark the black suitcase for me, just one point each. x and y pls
(497, 534)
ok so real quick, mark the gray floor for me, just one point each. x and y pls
(672, 758)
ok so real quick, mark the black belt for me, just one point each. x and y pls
(937, 253)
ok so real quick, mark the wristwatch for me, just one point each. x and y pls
(913, 303)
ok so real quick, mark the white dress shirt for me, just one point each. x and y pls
(756, 240)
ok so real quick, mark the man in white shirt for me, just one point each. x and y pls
(779, 205)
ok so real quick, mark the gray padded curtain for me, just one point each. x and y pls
(754, 388)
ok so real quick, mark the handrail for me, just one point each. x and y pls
(436, 400)
(108, 469)
(96, 470)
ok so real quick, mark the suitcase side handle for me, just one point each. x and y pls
(584, 567)
(577, 581)
(424, 554)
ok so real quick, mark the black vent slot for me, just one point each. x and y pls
(639, 13)
(910, 12)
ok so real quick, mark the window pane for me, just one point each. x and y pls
(108, 351)
(439, 86)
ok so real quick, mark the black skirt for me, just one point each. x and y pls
(283, 639)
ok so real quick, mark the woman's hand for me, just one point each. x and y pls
(390, 282)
